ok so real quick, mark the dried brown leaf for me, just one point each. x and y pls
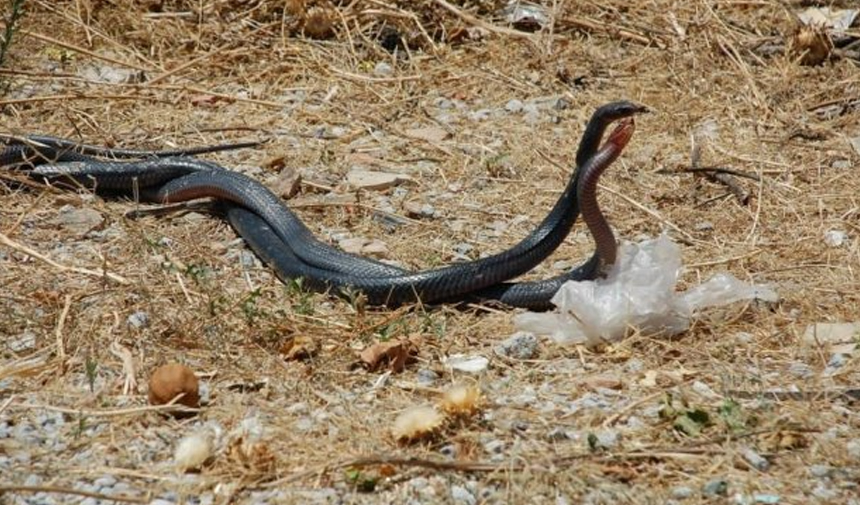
(395, 354)
(299, 348)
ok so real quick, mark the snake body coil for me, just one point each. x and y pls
(285, 243)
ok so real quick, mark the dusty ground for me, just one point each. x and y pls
(622, 424)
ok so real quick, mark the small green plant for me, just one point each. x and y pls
(197, 273)
(685, 419)
(80, 427)
(356, 299)
(362, 482)
(91, 370)
(249, 306)
(16, 10)
(302, 298)
(733, 415)
(438, 326)
(391, 330)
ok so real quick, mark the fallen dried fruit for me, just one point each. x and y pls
(193, 451)
(416, 423)
(170, 380)
(461, 400)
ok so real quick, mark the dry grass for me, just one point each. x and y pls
(242, 69)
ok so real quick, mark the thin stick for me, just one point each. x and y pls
(590, 25)
(358, 77)
(58, 334)
(650, 212)
(472, 20)
(6, 403)
(70, 491)
(63, 268)
(724, 260)
(78, 49)
(722, 170)
(621, 413)
(168, 407)
(740, 193)
(65, 98)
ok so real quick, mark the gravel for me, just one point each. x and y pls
(521, 345)
(716, 487)
(138, 320)
(462, 495)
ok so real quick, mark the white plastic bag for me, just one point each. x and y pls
(639, 291)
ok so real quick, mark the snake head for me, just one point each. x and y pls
(599, 122)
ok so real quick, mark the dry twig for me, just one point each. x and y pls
(63, 268)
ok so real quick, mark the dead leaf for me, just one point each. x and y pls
(432, 134)
(395, 354)
(365, 179)
(387, 471)
(254, 458)
(650, 379)
(288, 183)
(602, 382)
(206, 100)
(299, 348)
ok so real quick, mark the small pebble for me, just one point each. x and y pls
(560, 103)
(514, 106)
(376, 249)
(382, 69)
(426, 377)
(853, 448)
(494, 446)
(247, 259)
(704, 226)
(841, 164)
(418, 210)
(743, 337)
(682, 492)
(756, 460)
(703, 389)
(79, 221)
(464, 363)
(522, 345)
(444, 103)
(480, 115)
(557, 435)
(25, 342)
(836, 362)
(463, 248)
(769, 499)
(138, 320)
(835, 238)
(105, 481)
(824, 492)
(462, 495)
(716, 487)
(800, 370)
(449, 451)
(820, 471)
(607, 439)
(418, 483)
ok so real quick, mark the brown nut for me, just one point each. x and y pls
(170, 380)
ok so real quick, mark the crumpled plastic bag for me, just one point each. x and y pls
(638, 291)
